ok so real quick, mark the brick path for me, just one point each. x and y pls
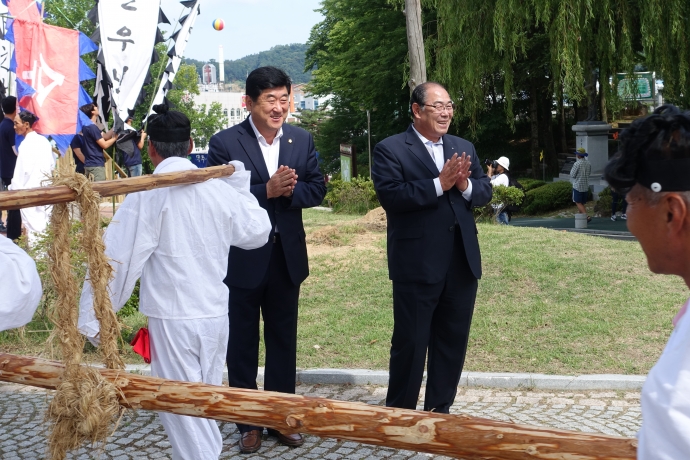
(140, 434)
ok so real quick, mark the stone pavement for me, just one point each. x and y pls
(140, 434)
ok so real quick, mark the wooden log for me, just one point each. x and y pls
(453, 435)
(17, 199)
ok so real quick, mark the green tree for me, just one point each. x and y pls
(358, 53)
(205, 121)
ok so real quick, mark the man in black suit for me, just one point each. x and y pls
(285, 178)
(428, 182)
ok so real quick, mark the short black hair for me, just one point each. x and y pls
(28, 117)
(9, 104)
(419, 93)
(264, 78)
(664, 135)
(87, 109)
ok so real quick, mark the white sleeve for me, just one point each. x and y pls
(20, 290)
(250, 223)
(129, 242)
(18, 176)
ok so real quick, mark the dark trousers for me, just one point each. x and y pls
(436, 317)
(276, 300)
(14, 217)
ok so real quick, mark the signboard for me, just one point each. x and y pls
(348, 164)
(199, 159)
(642, 87)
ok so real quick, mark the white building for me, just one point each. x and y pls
(305, 101)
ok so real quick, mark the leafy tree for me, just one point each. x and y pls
(205, 122)
(358, 54)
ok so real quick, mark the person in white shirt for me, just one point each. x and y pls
(177, 240)
(652, 164)
(20, 289)
(498, 171)
(35, 164)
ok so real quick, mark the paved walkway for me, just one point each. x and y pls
(140, 434)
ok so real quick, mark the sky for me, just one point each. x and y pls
(251, 26)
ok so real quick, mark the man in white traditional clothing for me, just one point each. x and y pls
(20, 290)
(652, 164)
(35, 164)
(177, 240)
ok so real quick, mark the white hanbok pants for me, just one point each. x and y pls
(193, 351)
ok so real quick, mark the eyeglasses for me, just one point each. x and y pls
(439, 107)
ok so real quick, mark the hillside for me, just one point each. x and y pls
(287, 57)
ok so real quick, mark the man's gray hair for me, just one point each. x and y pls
(171, 149)
(653, 198)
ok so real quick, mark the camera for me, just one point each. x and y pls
(491, 163)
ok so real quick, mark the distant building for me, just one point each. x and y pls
(305, 101)
(232, 103)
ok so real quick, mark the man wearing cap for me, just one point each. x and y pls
(428, 182)
(177, 240)
(498, 177)
(579, 177)
(652, 164)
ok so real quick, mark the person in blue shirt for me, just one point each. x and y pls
(132, 154)
(8, 159)
(76, 144)
(93, 144)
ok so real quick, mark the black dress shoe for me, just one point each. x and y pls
(292, 440)
(250, 441)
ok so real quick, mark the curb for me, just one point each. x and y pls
(468, 379)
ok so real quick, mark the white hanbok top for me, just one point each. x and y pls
(20, 288)
(177, 240)
(665, 431)
(35, 164)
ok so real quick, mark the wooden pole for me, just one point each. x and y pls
(42, 196)
(415, 43)
(453, 435)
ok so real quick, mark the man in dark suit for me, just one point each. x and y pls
(285, 179)
(428, 182)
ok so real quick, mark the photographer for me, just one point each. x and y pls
(498, 171)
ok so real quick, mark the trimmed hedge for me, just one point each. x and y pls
(530, 184)
(549, 197)
(356, 197)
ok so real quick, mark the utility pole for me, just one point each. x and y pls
(369, 140)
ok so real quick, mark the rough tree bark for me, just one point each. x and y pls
(415, 43)
(62, 194)
(561, 120)
(603, 80)
(454, 435)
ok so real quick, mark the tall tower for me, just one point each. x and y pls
(221, 63)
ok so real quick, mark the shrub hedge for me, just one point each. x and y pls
(530, 184)
(548, 197)
(355, 197)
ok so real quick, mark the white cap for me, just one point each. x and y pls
(505, 162)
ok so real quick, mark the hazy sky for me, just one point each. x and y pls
(250, 25)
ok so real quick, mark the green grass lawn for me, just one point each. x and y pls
(550, 302)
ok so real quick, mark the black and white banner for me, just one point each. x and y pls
(6, 77)
(177, 51)
(128, 33)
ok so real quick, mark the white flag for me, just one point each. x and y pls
(128, 31)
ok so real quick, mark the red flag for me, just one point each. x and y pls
(27, 10)
(48, 61)
(141, 344)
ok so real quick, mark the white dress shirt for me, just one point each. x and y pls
(177, 239)
(435, 149)
(20, 289)
(269, 151)
(665, 431)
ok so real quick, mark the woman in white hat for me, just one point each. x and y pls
(652, 164)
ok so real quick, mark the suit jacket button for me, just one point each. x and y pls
(452, 202)
(450, 229)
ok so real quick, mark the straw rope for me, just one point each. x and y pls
(85, 406)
